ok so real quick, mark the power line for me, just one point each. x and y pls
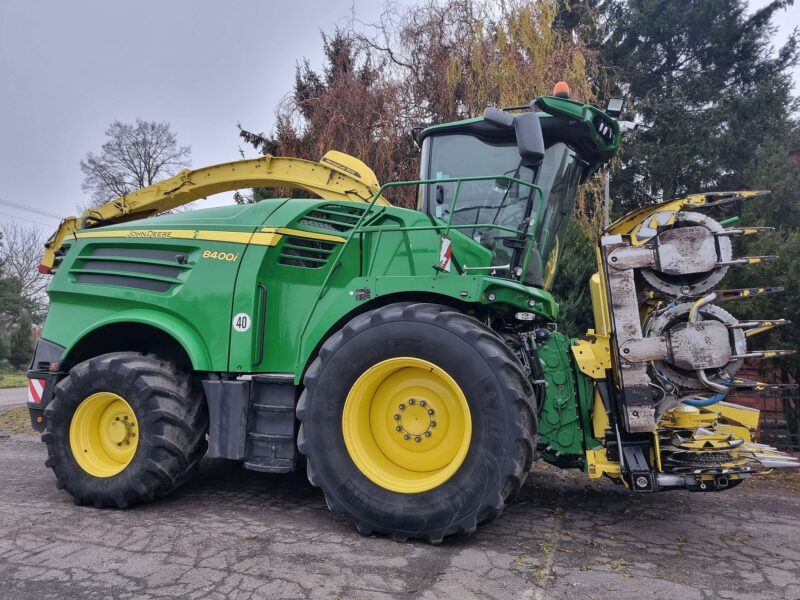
(24, 219)
(39, 211)
(18, 205)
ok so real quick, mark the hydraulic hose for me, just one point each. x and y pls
(701, 402)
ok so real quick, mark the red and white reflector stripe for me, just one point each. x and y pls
(35, 390)
(445, 254)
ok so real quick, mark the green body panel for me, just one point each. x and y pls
(586, 390)
(290, 310)
(301, 309)
(195, 310)
(299, 269)
(565, 416)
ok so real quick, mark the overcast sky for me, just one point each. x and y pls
(68, 68)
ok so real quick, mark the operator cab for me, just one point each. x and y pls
(485, 147)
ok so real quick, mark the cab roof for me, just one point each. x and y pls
(589, 131)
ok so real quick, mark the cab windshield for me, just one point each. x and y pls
(502, 202)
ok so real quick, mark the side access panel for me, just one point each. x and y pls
(271, 429)
(228, 404)
(253, 420)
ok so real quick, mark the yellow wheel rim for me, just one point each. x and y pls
(407, 425)
(103, 434)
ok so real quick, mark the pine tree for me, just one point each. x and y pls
(706, 88)
(4, 350)
(776, 167)
(11, 300)
(571, 285)
(21, 345)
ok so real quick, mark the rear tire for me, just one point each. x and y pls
(168, 425)
(416, 350)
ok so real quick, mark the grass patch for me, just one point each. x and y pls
(12, 380)
(16, 420)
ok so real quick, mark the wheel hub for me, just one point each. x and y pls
(415, 420)
(120, 430)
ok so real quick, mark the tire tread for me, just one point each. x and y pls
(172, 441)
(501, 359)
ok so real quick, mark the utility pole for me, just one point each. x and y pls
(606, 199)
(614, 109)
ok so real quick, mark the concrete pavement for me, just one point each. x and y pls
(12, 397)
(232, 533)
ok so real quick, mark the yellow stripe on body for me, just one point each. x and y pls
(306, 234)
(268, 236)
(265, 239)
(184, 234)
(235, 237)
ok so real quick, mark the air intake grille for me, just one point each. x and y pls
(304, 252)
(333, 217)
(139, 268)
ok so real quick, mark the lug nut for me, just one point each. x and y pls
(411, 401)
(433, 423)
(398, 428)
(422, 403)
(406, 436)
(116, 418)
(125, 417)
(417, 439)
(397, 417)
(430, 411)
(427, 434)
(402, 407)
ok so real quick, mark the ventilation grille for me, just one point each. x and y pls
(306, 253)
(138, 268)
(333, 217)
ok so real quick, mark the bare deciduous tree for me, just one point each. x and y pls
(22, 248)
(134, 156)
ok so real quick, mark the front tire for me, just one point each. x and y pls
(417, 421)
(124, 428)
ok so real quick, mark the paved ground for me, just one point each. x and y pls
(11, 397)
(236, 534)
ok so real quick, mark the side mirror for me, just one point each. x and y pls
(498, 117)
(530, 141)
(527, 128)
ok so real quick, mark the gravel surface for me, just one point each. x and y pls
(232, 533)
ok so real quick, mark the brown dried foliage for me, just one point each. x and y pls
(439, 62)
